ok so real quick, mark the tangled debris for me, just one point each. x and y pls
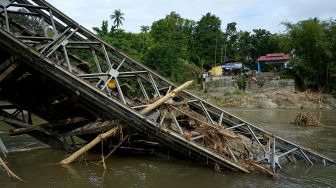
(307, 119)
(232, 146)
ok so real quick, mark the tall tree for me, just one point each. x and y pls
(231, 38)
(207, 37)
(117, 17)
(144, 29)
(103, 30)
(244, 47)
(169, 53)
(169, 32)
(261, 42)
(313, 51)
(144, 37)
(331, 65)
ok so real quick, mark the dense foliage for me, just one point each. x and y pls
(182, 49)
(314, 42)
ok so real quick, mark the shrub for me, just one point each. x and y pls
(241, 82)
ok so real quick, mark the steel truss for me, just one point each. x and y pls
(68, 38)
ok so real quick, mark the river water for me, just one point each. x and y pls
(41, 168)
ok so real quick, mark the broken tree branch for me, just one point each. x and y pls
(114, 149)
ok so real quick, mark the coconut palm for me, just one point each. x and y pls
(117, 17)
(144, 29)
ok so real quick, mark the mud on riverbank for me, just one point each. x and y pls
(271, 99)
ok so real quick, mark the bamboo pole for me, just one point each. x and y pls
(166, 97)
(9, 172)
(88, 146)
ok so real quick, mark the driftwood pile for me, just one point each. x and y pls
(307, 119)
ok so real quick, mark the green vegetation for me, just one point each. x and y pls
(117, 18)
(233, 93)
(181, 49)
(241, 82)
(260, 83)
(314, 42)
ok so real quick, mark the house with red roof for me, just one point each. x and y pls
(275, 58)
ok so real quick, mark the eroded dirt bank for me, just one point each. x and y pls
(272, 99)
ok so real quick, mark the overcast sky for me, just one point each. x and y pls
(249, 14)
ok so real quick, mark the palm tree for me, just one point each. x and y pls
(144, 29)
(117, 18)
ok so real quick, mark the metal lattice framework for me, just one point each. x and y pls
(62, 43)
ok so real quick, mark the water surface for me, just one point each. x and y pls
(41, 168)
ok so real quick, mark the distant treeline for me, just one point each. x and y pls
(181, 48)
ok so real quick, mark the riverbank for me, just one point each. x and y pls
(271, 99)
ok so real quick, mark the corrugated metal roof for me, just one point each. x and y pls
(274, 57)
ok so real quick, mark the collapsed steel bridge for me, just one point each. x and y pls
(42, 73)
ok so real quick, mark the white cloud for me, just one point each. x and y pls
(249, 14)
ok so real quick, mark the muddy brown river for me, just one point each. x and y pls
(40, 168)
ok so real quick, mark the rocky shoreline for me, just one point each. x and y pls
(271, 99)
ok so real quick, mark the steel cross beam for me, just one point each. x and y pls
(165, 82)
(106, 107)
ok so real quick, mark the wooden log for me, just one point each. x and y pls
(166, 97)
(10, 173)
(51, 125)
(92, 128)
(88, 146)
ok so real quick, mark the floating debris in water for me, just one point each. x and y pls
(307, 119)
